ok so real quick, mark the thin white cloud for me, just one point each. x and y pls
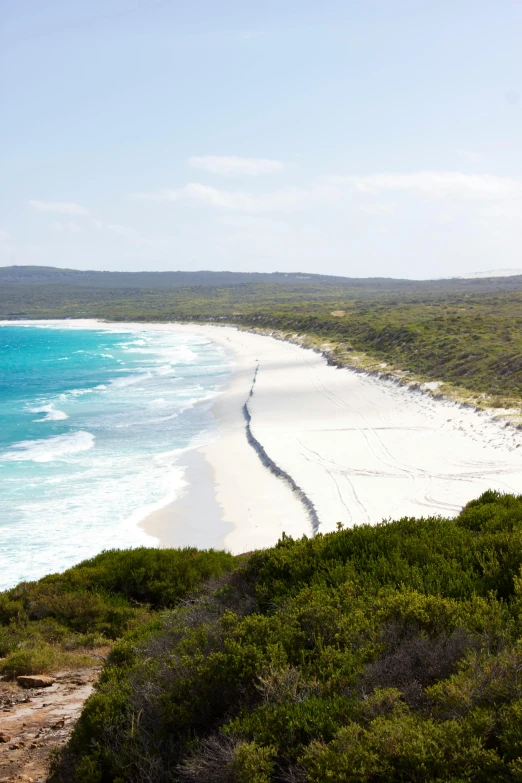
(470, 156)
(133, 238)
(123, 231)
(234, 165)
(510, 210)
(377, 209)
(378, 196)
(67, 227)
(248, 221)
(4, 236)
(59, 207)
(435, 184)
(288, 199)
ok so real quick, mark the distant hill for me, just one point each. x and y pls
(48, 275)
(116, 281)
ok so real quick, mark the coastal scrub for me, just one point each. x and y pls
(385, 653)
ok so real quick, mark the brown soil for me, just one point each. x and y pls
(38, 720)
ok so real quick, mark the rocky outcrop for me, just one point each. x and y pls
(35, 681)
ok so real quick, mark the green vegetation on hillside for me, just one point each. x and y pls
(473, 342)
(59, 620)
(388, 653)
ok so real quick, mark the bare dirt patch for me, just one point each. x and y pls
(35, 721)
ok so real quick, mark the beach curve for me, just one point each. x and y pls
(361, 448)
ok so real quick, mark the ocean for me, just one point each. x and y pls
(92, 425)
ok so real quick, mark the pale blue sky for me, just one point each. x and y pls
(356, 138)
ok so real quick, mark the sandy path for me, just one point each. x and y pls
(37, 721)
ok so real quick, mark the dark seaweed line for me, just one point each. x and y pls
(275, 469)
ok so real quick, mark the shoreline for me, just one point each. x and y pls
(340, 485)
(194, 518)
(361, 448)
(254, 503)
(250, 506)
(253, 506)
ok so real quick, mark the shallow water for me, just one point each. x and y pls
(92, 424)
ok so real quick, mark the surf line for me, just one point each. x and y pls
(273, 467)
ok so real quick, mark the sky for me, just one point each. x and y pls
(380, 138)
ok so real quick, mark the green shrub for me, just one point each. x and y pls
(387, 653)
(402, 747)
(95, 603)
(41, 658)
(252, 763)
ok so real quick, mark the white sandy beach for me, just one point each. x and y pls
(361, 449)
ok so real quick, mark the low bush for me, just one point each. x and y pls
(41, 658)
(89, 606)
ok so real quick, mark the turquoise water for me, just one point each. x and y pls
(92, 424)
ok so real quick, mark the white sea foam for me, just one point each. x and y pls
(75, 393)
(129, 343)
(52, 413)
(165, 369)
(58, 447)
(192, 401)
(130, 380)
(83, 499)
(164, 418)
(180, 354)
